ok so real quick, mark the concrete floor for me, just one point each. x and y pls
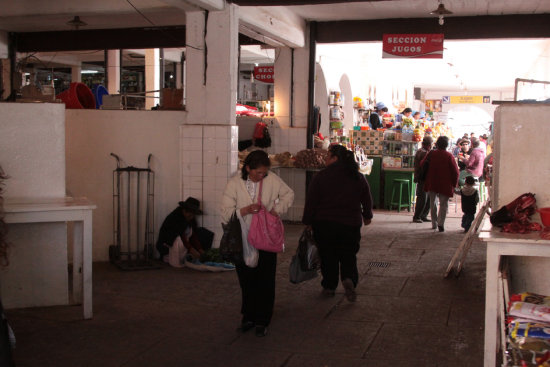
(406, 314)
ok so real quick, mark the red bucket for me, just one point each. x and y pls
(545, 216)
(78, 96)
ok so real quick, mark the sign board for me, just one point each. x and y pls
(263, 74)
(420, 46)
(466, 99)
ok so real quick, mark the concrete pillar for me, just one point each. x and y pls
(179, 75)
(152, 77)
(76, 73)
(209, 143)
(113, 71)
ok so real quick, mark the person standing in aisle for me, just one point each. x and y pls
(375, 120)
(422, 202)
(441, 180)
(338, 203)
(257, 274)
(469, 197)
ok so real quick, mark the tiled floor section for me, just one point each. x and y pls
(406, 313)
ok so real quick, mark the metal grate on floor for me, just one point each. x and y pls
(379, 264)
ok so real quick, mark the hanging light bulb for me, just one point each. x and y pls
(441, 12)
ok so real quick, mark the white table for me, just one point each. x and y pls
(503, 244)
(77, 210)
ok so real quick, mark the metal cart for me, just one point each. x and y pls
(133, 225)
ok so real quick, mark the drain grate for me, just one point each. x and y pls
(379, 264)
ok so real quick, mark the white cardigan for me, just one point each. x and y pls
(236, 196)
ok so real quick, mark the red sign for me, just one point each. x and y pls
(420, 46)
(263, 74)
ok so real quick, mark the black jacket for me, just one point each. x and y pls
(173, 226)
(469, 200)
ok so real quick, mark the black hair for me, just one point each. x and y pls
(469, 180)
(253, 160)
(346, 158)
(442, 142)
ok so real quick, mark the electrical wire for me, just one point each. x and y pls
(154, 25)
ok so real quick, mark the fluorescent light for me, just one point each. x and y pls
(89, 72)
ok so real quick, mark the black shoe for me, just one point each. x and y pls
(425, 219)
(350, 289)
(261, 331)
(441, 229)
(245, 326)
(417, 220)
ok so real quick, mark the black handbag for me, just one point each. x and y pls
(231, 244)
(307, 252)
(296, 274)
(306, 261)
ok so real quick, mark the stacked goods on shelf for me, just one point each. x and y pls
(336, 115)
(369, 140)
(528, 330)
(399, 149)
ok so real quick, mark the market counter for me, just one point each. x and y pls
(395, 173)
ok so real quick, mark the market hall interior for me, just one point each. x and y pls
(198, 134)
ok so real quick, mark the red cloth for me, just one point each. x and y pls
(442, 175)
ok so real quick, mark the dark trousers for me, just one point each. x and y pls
(422, 207)
(258, 288)
(467, 220)
(338, 245)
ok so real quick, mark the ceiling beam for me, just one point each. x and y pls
(295, 2)
(101, 39)
(463, 28)
(194, 5)
(277, 24)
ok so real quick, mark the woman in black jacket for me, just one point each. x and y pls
(338, 203)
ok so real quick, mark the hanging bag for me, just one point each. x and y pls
(266, 231)
(365, 164)
(231, 244)
(306, 262)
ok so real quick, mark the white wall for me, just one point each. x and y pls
(32, 154)
(90, 138)
(521, 166)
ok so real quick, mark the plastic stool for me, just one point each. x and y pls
(399, 183)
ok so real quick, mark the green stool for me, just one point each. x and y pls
(481, 191)
(400, 183)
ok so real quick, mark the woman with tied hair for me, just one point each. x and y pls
(257, 274)
(338, 203)
(441, 180)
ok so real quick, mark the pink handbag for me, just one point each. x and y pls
(266, 231)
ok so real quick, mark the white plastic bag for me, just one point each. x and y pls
(177, 253)
(250, 254)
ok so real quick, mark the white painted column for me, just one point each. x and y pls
(76, 73)
(209, 147)
(152, 77)
(113, 71)
(179, 74)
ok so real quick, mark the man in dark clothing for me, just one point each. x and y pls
(338, 203)
(422, 200)
(469, 197)
(181, 222)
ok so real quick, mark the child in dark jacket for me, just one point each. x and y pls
(469, 197)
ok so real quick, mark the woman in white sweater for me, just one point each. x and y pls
(257, 274)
